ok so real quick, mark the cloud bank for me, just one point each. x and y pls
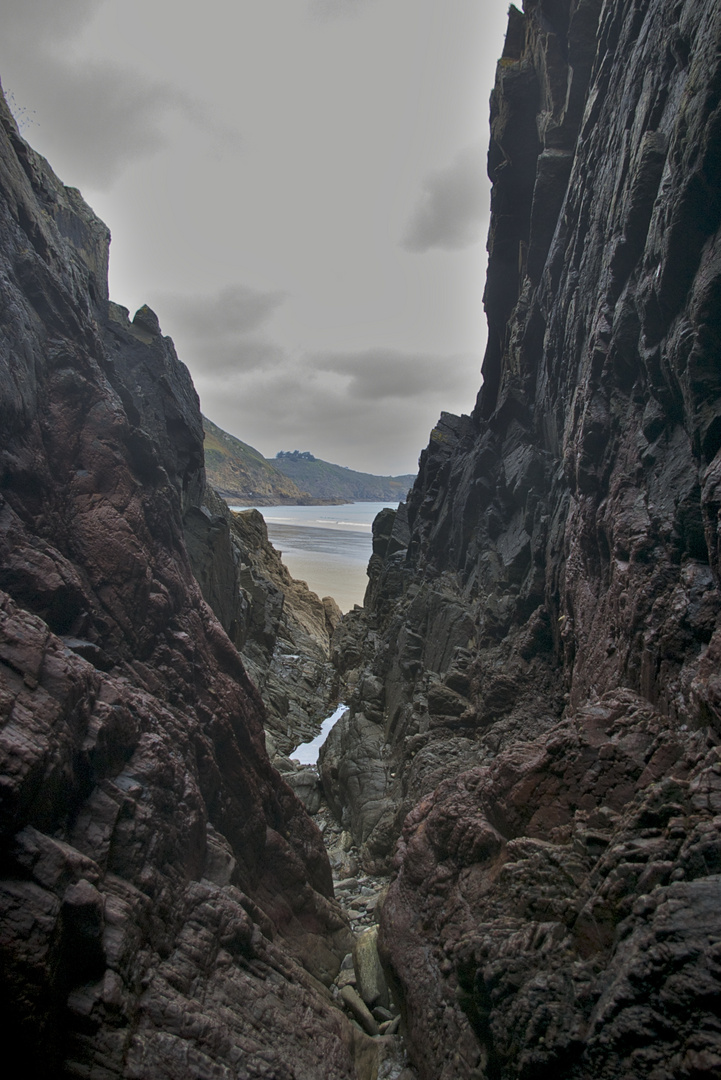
(233, 310)
(453, 207)
(99, 116)
(381, 374)
(370, 410)
(217, 334)
(335, 9)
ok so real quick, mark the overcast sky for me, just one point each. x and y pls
(296, 187)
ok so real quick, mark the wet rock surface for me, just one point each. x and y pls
(360, 986)
(533, 733)
(361, 983)
(540, 879)
(281, 629)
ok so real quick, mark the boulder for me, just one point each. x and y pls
(305, 784)
(370, 980)
(358, 1010)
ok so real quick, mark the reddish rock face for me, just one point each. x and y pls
(553, 908)
(165, 903)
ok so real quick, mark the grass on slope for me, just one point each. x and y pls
(326, 481)
(238, 471)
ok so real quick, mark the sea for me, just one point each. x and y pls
(326, 546)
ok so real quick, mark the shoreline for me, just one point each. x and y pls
(328, 550)
(233, 498)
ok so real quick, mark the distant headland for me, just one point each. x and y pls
(241, 474)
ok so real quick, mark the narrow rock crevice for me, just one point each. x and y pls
(516, 844)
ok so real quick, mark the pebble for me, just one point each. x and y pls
(358, 895)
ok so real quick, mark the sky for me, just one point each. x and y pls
(298, 189)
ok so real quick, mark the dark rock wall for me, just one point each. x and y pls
(535, 688)
(281, 629)
(165, 903)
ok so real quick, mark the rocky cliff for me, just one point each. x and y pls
(281, 629)
(533, 743)
(166, 905)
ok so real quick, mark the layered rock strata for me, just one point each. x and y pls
(281, 629)
(535, 689)
(166, 905)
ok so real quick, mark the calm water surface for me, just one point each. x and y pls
(327, 546)
(307, 753)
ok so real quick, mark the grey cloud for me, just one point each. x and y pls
(386, 373)
(106, 116)
(99, 117)
(226, 358)
(44, 20)
(236, 309)
(283, 413)
(334, 9)
(371, 410)
(215, 335)
(224, 138)
(452, 210)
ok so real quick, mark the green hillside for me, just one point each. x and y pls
(241, 474)
(326, 481)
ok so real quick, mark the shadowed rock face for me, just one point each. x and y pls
(165, 903)
(281, 629)
(535, 689)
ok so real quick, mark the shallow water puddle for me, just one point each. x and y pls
(307, 752)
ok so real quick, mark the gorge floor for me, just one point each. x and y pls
(360, 988)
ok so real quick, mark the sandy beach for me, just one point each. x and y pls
(327, 547)
(327, 576)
